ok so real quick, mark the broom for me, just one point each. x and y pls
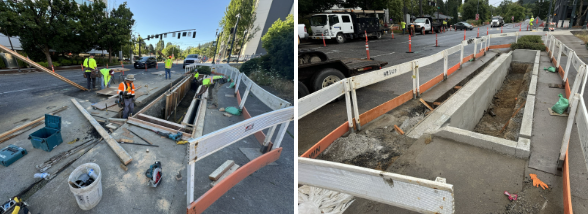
(313, 200)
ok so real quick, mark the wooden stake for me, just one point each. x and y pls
(427, 105)
(398, 130)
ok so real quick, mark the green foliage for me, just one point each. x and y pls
(55, 64)
(44, 64)
(65, 62)
(251, 66)
(528, 42)
(306, 7)
(115, 30)
(279, 43)
(203, 69)
(2, 65)
(531, 38)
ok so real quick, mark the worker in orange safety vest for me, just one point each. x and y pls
(126, 89)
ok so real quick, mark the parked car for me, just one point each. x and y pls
(191, 59)
(463, 25)
(302, 31)
(145, 61)
(233, 59)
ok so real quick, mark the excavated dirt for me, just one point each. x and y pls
(378, 144)
(509, 98)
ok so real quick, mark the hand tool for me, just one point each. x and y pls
(73, 141)
(140, 137)
(140, 144)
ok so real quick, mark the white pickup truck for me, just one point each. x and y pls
(302, 31)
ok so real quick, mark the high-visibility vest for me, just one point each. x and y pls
(444, 22)
(196, 75)
(106, 73)
(206, 82)
(123, 87)
(217, 77)
(168, 63)
(403, 24)
(92, 64)
(531, 21)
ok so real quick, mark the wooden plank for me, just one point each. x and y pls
(34, 64)
(226, 174)
(160, 122)
(31, 123)
(218, 172)
(155, 127)
(120, 152)
(425, 103)
(126, 140)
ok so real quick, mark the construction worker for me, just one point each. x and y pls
(89, 73)
(531, 23)
(127, 90)
(168, 66)
(106, 75)
(403, 25)
(205, 82)
(445, 23)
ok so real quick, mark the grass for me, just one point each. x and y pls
(267, 79)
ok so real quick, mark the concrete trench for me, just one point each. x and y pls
(458, 116)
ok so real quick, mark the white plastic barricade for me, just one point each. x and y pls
(416, 194)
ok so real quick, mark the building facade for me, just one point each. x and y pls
(563, 10)
(268, 11)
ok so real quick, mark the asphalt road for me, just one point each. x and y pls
(317, 125)
(26, 95)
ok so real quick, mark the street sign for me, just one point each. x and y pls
(477, 17)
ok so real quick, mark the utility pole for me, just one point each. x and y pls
(233, 40)
(216, 46)
(242, 43)
(546, 28)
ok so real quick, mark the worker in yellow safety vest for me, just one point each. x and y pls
(403, 25)
(106, 75)
(90, 71)
(531, 23)
(205, 82)
(445, 23)
(168, 66)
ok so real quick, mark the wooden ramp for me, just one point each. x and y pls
(34, 64)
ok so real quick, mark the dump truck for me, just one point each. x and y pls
(317, 71)
(346, 24)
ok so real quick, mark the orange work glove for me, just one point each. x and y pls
(537, 182)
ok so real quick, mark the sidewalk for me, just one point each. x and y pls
(268, 190)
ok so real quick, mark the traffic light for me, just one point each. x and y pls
(184, 34)
(179, 34)
(194, 35)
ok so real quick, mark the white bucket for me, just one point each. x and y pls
(87, 197)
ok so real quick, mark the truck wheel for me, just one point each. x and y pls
(340, 38)
(302, 90)
(326, 77)
(423, 31)
(378, 35)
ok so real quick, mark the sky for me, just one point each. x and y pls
(160, 16)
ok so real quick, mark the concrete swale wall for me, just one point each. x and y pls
(463, 110)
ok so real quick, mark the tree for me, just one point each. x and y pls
(279, 43)
(246, 9)
(517, 11)
(172, 49)
(44, 25)
(116, 29)
(159, 46)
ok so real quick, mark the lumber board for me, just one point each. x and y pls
(118, 150)
(160, 122)
(155, 127)
(226, 174)
(31, 123)
(427, 105)
(220, 171)
(102, 104)
(34, 64)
